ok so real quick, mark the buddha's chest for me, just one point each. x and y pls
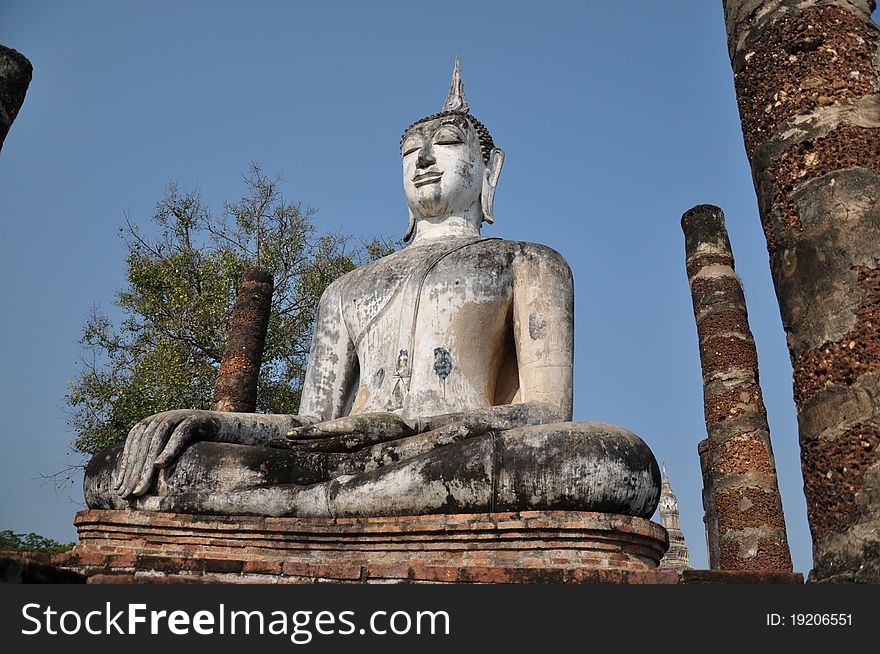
(431, 335)
(434, 296)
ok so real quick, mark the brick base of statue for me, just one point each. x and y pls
(533, 546)
(526, 547)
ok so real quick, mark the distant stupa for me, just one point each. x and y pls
(676, 557)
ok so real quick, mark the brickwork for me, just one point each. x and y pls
(125, 547)
(236, 387)
(744, 519)
(110, 569)
(524, 547)
(806, 77)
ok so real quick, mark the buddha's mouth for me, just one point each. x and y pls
(423, 179)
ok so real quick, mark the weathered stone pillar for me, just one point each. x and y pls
(236, 388)
(709, 520)
(806, 75)
(15, 76)
(743, 498)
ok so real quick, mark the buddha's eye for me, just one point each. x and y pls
(447, 136)
(410, 146)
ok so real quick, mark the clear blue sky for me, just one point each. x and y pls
(615, 118)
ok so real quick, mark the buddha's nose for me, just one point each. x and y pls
(426, 156)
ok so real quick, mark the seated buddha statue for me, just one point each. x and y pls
(439, 381)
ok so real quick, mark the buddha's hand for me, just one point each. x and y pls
(155, 443)
(386, 426)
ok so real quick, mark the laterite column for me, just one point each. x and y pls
(743, 507)
(236, 388)
(806, 77)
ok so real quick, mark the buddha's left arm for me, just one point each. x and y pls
(543, 327)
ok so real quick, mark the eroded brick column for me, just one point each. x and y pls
(709, 520)
(236, 388)
(806, 76)
(15, 77)
(744, 516)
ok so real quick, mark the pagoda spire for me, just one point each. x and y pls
(676, 556)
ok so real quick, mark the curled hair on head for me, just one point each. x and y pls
(486, 142)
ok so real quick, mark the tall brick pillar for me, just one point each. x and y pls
(710, 522)
(744, 518)
(236, 387)
(806, 76)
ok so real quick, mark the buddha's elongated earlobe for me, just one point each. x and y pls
(490, 183)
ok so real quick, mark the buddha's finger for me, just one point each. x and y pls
(157, 443)
(344, 425)
(312, 434)
(180, 438)
(131, 463)
(122, 466)
(136, 457)
(308, 432)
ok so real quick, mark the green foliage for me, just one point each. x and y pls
(182, 284)
(12, 542)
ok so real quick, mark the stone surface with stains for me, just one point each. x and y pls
(439, 381)
(806, 76)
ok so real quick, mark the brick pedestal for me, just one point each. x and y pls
(527, 547)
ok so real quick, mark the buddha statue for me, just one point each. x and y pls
(439, 381)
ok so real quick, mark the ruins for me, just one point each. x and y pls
(745, 524)
(806, 77)
(434, 440)
(676, 557)
(236, 386)
(438, 392)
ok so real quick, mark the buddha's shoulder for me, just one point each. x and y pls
(368, 272)
(529, 250)
(488, 252)
(498, 249)
(527, 253)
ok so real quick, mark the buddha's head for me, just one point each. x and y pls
(450, 164)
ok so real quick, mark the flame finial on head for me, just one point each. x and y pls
(455, 100)
(456, 103)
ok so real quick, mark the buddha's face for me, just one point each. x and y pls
(443, 168)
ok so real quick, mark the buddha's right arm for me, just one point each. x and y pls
(157, 441)
(332, 371)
